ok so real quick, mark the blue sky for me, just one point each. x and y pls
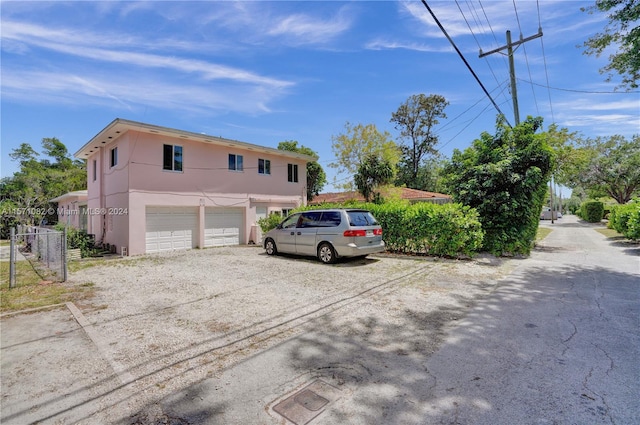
(265, 72)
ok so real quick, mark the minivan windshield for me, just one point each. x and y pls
(361, 218)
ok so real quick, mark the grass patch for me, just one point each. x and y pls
(609, 233)
(86, 263)
(32, 292)
(542, 233)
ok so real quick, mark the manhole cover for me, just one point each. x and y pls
(307, 403)
(310, 400)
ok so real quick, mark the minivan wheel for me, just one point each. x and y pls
(326, 253)
(270, 247)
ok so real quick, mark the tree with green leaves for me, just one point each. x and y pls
(316, 177)
(622, 36)
(38, 181)
(430, 175)
(570, 160)
(355, 144)
(416, 120)
(372, 173)
(613, 168)
(504, 176)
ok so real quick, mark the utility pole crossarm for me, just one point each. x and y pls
(516, 43)
(512, 70)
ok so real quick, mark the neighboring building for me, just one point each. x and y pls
(72, 209)
(411, 195)
(153, 189)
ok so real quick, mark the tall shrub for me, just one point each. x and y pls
(504, 177)
(592, 211)
(443, 230)
(625, 219)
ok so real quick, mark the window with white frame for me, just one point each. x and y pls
(292, 173)
(172, 158)
(264, 166)
(235, 162)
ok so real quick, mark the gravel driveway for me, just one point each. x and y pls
(158, 324)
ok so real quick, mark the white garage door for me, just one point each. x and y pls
(223, 226)
(171, 228)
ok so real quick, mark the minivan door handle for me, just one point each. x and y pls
(292, 233)
(299, 233)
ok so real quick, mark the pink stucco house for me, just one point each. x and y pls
(72, 209)
(153, 189)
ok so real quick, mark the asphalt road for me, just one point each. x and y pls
(555, 342)
(558, 342)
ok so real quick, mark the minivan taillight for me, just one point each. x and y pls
(350, 233)
(377, 232)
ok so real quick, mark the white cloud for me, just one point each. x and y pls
(381, 44)
(306, 29)
(256, 90)
(118, 92)
(616, 105)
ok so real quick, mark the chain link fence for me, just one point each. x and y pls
(45, 248)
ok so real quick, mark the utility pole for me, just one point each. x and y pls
(512, 71)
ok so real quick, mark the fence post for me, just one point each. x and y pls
(47, 248)
(64, 254)
(12, 258)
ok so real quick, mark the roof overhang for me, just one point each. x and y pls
(79, 195)
(119, 127)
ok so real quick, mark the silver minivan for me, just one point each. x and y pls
(327, 234)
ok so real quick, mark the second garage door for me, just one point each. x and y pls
(223, 226)
(171, 228)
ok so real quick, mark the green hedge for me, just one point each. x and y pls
(79, 239)
(269, 222)
(449, 230)
(592, 211)
(625, 219)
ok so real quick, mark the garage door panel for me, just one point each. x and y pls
(171, 228)
(223, 226)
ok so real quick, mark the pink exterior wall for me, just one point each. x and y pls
(108, 200)
(138, 181)
(205, 169)
(72, 212)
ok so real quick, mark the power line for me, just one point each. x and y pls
(465, 61)
(474, 35)
(578, 91)
(526, 57)
(546, 69)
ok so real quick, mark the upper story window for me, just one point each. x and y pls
(292, 173)
(172, 157)
(264, 166)
(95, 170)
(235, 162)
(114, 157)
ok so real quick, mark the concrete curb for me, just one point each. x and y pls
(120, 370)
(31, 310)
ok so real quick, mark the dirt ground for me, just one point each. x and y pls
(158, 324)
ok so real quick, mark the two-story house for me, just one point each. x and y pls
(153, 189)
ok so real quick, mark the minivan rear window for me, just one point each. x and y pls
(320, 219)
(361, 218)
